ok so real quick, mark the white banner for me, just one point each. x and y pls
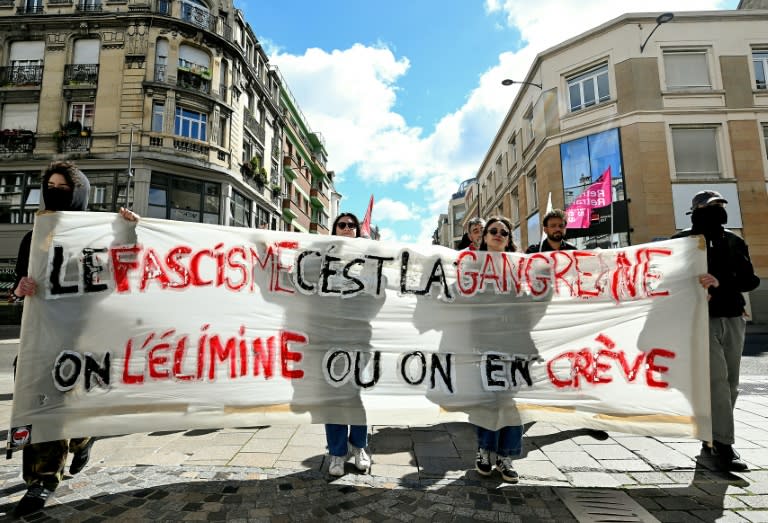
(165, 325)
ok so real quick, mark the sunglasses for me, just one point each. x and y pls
(493, 232)
(344, 225)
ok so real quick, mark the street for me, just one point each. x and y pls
(277, 473)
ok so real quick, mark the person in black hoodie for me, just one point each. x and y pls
(729, 273)
(64, 188)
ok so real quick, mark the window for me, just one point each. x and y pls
(158, 116)
(20, 197)
(589, 88)
(515, 204)
(183, 199)
(83, 113)
(696, 151)
(685, 70)
(765, 138)
(529, 131)
(26, 61)
(512, 150)
(760, 62)
(531, 191)
(20, 116)
(262, 218)
(190, 124)
(240, 208)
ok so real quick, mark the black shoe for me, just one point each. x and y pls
(599, 435)
(32, 501)
(706, 449)
(727, 459)
(483, 462)
(80, 459)
(508, 472)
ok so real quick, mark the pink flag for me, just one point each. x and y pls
(597, 195)
(365, 227)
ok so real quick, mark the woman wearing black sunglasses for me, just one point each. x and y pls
(507, 442)
(346, 440)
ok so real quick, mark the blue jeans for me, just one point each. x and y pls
(338, 435)
(505, 442)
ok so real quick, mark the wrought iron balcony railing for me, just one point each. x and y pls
(77, 74)
(200, 17)
(75, 143)
(190, 80)
(254, 126)
(161, 73)
(17, 141)
(30, 10)
(88, 7)
(21, 75)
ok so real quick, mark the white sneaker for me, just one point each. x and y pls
(336, 468)
(362, 460)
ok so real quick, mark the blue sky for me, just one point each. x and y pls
(406, 92)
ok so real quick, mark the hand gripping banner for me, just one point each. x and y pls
(163, 325)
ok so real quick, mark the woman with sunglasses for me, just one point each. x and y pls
(347, 440)
(507, 442)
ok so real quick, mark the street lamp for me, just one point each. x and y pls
(663, 18)
(508, 82)
(130, 167)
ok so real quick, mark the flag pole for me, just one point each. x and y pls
(612, 200)
(549, 209)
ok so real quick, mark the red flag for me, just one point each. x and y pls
(597, 195)
(365, 227)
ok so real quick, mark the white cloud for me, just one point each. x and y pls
(349, 96)
(388, 210)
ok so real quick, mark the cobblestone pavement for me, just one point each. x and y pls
(278, 473)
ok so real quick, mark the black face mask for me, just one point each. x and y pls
(57, 199)
(709, 219)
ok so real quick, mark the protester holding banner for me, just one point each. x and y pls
(346, 440)
(729, 273)
(507, 442)
(471, 238)
(64, 188)
(554, 230)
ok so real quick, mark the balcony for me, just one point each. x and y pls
(75, 143)
(199, 17)
(161, 73)
(16, 141)
(318, 228)
(290, 209)
(187, 145)
(318, 199)
(30, 10)
(21, 75)
(88, 7)
(81, 74)
(254, 127)
(194, 78)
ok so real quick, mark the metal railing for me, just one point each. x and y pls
(161, 73)
(30, 10)
(21, 75)
(199, 17)
(254, 126)
(75, 74)
(88, 7)
(189, 80)
(76, 143)
(17, 141)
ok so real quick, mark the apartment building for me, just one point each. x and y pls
(667, 105)
(169, 107)
(307, 186)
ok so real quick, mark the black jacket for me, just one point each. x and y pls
(728, 261)
(545, 247)
(80, 193)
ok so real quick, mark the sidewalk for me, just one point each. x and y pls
(278, 473)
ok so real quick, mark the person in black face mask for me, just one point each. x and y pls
(729, 273)
(64, 188)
